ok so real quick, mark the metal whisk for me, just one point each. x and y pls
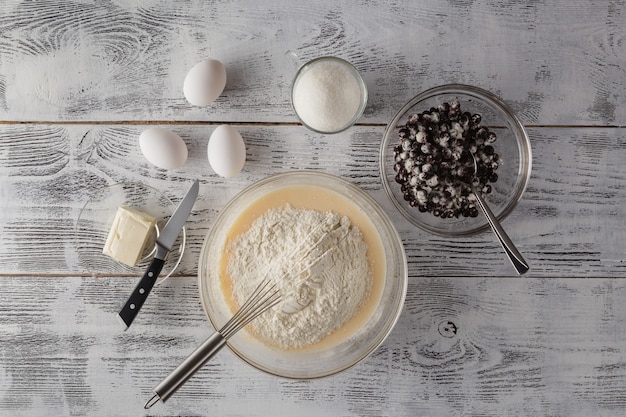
(266, 295)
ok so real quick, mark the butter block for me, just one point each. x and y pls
(128, 236)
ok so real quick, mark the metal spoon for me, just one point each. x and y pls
(516, 258)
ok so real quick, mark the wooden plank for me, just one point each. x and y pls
(569, 222)
(554, 63)
(473, 339)
(522, 346)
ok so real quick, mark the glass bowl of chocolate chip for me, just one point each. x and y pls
(426, 161)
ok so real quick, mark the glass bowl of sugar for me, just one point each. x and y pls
(328, 95)
(337, 258)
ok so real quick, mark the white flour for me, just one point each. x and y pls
(318, 299)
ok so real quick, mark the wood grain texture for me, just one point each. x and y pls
(569, 223)
(555, 63)
(80, 80)
(521, 347)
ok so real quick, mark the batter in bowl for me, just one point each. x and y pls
(326, 302)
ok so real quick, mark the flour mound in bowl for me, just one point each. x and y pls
(318, 259)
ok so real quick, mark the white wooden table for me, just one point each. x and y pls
(80, 80)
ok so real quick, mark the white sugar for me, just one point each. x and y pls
(327, 96)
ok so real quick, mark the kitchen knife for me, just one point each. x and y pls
(164, 244)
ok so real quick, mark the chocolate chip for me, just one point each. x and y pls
(433, 162)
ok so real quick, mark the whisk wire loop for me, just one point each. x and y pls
(268, 293)
(265, 296)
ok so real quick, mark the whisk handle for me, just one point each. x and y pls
(187, 368)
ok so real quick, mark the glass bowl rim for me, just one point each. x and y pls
(357, 76)
(519, 132)
(170, 269)
(402, 272)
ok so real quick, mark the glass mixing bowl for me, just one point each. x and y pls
(325, 358)
(512, 146)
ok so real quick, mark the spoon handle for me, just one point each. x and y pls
(516, 258)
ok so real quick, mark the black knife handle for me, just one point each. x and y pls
(140, 293)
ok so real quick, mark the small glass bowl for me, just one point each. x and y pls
(512, 146)
(325, 359)
(96, 217)
(326, 60)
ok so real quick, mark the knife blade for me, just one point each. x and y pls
(164, 244)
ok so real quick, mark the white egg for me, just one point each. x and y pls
(163, 148)
(204, 82)
(226, 151)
